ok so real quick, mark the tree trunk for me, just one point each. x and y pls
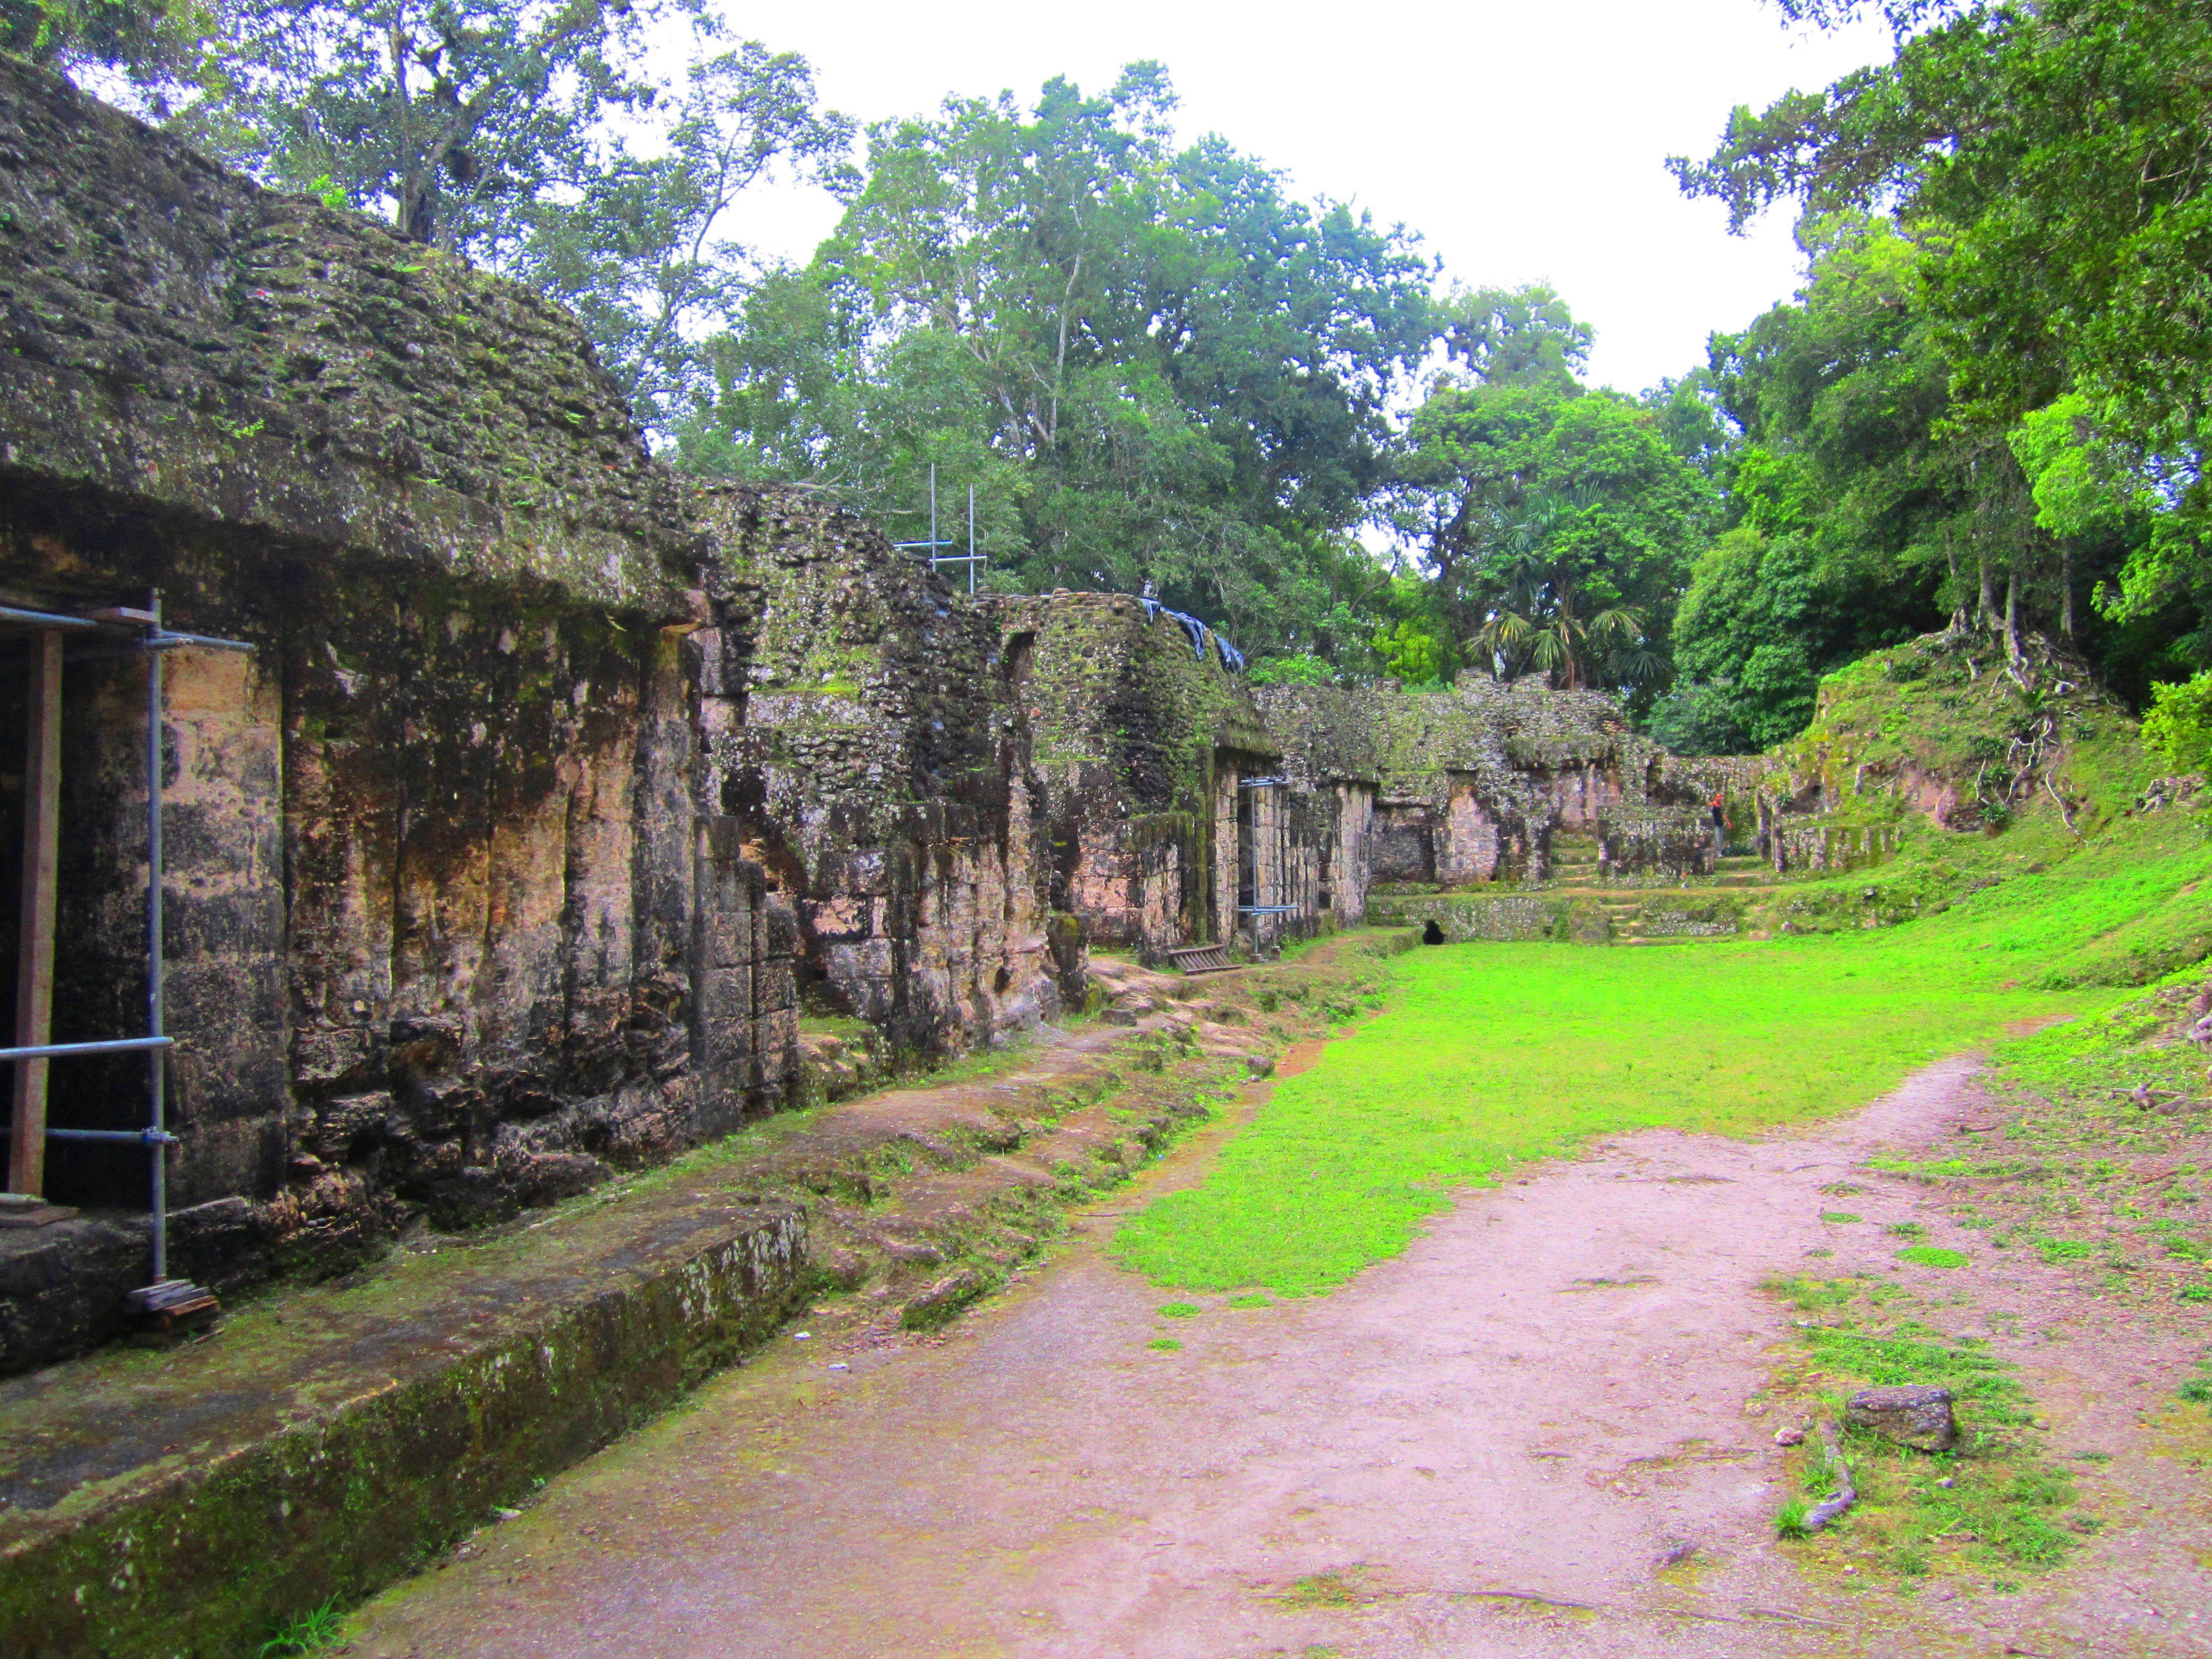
(2066, 587)
(418, 205)
(2012, 616)
(1957, 599)
(1986, 611)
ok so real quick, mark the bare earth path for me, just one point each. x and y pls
(1540, 1403)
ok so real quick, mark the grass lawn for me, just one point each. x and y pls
(1490, 1055)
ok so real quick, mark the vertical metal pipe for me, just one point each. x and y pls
(154, 1074)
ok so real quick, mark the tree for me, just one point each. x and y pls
(1558, 525)
(1155, 366)
(163, 49)
(642, 257)
(458, 117)
(1552, 608)
(1846, 511)
(2048, 159)
(1515, 337)
(2179, 728)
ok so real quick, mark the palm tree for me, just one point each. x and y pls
(1539, 616)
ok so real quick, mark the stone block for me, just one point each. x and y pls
(775, 988)
(728, 939)
(326, 1057)
(723, 994)
(1916, 1414)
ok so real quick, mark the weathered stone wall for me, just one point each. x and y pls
(176, 339)
(863, 732)
(1137, 736)
(545, 804)
(1470, 784)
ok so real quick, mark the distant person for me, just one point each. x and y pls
(1431, 933)
(1720, 814)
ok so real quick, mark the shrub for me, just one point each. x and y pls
(2179, 728)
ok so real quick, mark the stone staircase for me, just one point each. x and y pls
(1577, 901)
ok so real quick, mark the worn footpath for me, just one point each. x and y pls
(328, 1438)
(1548, 1428)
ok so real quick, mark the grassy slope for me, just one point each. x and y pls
(1491, 1054)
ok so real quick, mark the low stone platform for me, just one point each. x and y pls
(327, 1439)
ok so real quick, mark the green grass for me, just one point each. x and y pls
(1933, 1256)
(317, 1632)
(2001, 1507)
(1490, 1055)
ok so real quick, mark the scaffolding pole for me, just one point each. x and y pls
(163, 1297)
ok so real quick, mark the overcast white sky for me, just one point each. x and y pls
(1524, 142)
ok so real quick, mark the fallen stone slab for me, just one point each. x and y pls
(1915, 1414)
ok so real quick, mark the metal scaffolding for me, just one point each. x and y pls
(139, 632)
(971, 558)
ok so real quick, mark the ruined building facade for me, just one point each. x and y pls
(555, 794)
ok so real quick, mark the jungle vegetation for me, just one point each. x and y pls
(1985, 408)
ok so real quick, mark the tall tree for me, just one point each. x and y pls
(168, 51)
(1158, 368)
(458, 117)
(2050, 160)
(644, 255)
(1539, 508)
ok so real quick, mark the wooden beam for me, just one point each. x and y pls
(34, 946)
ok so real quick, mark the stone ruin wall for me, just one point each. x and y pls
(557, 795)
(1143, 744)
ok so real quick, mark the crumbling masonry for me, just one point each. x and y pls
(555, 795)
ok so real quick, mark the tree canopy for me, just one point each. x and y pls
(1159, 370)
(2046, 164)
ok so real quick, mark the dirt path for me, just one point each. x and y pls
(1541, 1402)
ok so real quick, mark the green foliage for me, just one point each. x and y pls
(1302, 669)
(319, 1632)
(2178, 726)
(1157, 369)
(1847, 508)
(167, 50)
(1557, 525)
(2045, 159)
(1409, 652)
(457, 117)
(643, 256)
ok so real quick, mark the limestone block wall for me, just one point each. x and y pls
(1825, 845)
(1634, 842)
(860, 727)
(1134, 735)
(1343, 819)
